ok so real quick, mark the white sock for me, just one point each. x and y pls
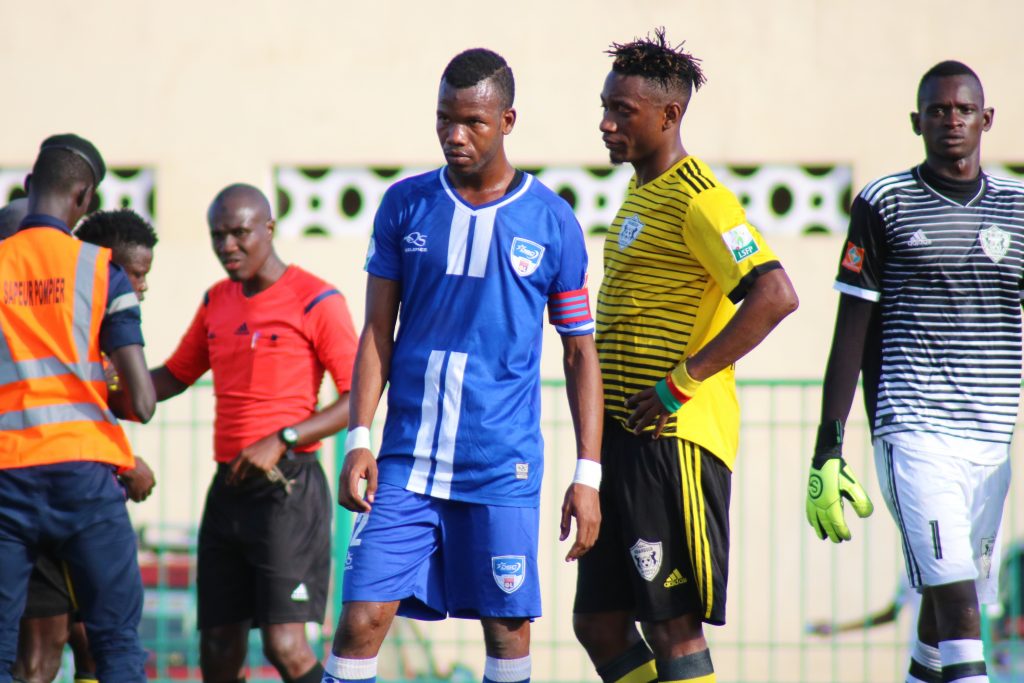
(507, 670)
(963, 661)
(341, 669)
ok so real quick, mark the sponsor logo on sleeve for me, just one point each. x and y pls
(647, 558)
(631, 228)
(415, 242)
(995, 242)
(522, 470)
(741, 242)
(509, 571)
(525, 256)
(853, 258)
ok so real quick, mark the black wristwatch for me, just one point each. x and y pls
(289, 436)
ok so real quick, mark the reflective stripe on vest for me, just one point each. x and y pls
(53, 396)
(15, 371)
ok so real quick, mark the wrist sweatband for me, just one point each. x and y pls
(668, 398)
(683, 381)
(829, 442)
(358, 437)
(587, 473)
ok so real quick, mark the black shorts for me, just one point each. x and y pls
(664, 546)
(49, 589)
(265, 554)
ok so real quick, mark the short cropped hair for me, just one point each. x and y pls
(57, 171)
(655, 59)
(945, 69)
(117, 230)
(474, 66)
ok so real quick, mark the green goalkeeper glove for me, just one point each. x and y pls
(829, 482)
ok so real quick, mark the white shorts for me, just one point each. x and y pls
(948, 511)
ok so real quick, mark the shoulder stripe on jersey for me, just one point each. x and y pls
(1001, 183)
(683, 175)
(319, 297)
(690, 171)
(698, 172)
(882, 185)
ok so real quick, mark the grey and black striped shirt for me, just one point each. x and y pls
(946, 352)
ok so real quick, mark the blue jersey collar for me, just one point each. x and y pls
(42, 220)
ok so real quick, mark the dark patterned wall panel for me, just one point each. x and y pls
(780, 199)
(132, 188)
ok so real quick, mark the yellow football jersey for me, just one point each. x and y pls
(678, 257)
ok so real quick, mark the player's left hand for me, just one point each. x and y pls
(830, 482)
(138, 482)
(257, 458)
(647, 410)
(581, 501)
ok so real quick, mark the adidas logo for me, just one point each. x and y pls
(918, 239)
(675, 579)
(242, 329)
(300, 594)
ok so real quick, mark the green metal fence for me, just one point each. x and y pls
(781, 577)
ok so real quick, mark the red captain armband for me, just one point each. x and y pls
(853, 258)
(569, 308)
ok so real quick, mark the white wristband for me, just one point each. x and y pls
(358, 437)
(588, 473)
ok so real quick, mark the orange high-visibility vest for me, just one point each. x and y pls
(53, 396)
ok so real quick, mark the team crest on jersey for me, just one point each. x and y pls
(508, 571)
(741, 242)
(853, 258)
(525, 256)
(995, 242)
(631, 228)
(647, 558)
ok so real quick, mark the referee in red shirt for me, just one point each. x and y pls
(268, 332)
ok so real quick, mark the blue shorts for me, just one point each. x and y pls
(444, 558)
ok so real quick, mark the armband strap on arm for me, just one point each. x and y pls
(358, 437)
(588, 473)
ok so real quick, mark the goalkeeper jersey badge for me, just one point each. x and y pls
(647, 558)
(995, 242)
(631, 228)
(525, 256)
(508, 571)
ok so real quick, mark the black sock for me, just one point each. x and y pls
(314, 675)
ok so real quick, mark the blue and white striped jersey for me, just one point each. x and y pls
(946, 363)
(463, 419)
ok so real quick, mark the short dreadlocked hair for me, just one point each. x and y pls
(945, 69)
(477, 65)
(117, 230)
(655, 59)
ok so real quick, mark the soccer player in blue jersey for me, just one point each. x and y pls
(467, 256)
(930, 311)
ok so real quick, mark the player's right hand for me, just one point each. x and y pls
(359, 464)
(829, 482)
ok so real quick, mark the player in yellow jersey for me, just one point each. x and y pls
(679, 258)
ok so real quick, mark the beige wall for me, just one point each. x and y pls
(209, 93)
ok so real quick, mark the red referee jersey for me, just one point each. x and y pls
(268, 354)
